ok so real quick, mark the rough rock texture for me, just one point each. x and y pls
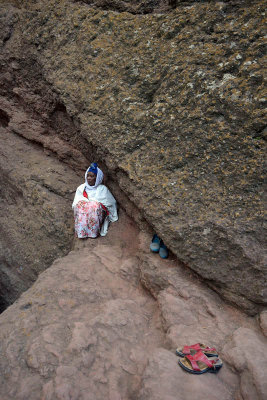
(159, 382)
(131, 6)
(86, 330)
(36, 216)
(263, 322)
(189, 311)
(177, 103)
(240, 353)
(172, 103)
(37, 188)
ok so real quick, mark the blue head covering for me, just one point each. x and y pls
(93, 168)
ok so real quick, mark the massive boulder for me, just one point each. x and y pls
(171, 104)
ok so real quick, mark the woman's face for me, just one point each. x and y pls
(91, 178)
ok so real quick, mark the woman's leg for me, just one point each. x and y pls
(89, 217)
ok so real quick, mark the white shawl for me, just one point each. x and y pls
(102, 195)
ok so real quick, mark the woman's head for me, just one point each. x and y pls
(93, 176)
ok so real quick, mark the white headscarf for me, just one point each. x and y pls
(101, 194)
(99, 179)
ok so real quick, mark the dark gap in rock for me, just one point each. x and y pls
(143, 7)
(60, 107)
(8, 36)
(260, 132)
(172, 3)
(4, 118)
(3, 304)
(135, 7)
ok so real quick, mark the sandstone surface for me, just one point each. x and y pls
(171, 104)
(87, 330)
(36, 216)
(170, 101)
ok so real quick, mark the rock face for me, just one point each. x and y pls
(171, 104)
(37, 184)
(36, 215)
(86, 330)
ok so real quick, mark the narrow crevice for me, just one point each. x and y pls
(135, 7)
(4, 118)
(8, 36)
(3, 304)
(144, 7)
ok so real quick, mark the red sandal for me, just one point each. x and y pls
(208, 351)
(199, 363)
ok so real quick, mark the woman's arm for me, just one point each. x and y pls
(78, 195)
(105, 197)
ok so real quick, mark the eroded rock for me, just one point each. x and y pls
(36, 216)
(81, 331)
(263, 322)
(163, 380)
(240, 352)
(171, 103)
(174, 104)
(173, 107)
(87, 330)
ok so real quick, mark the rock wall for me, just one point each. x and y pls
(36, 216)
(173, 106)
(37, 187)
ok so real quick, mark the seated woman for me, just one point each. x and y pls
(94, 206)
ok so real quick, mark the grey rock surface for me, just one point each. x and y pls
(171, 104)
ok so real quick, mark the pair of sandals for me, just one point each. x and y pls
(199, 358)
(157, 246)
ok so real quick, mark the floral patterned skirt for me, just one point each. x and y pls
(88, 216)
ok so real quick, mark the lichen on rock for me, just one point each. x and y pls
(175, 103)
